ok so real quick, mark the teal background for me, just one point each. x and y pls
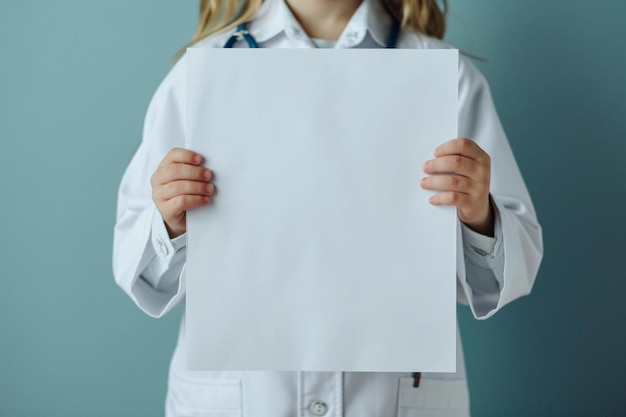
(75, 80)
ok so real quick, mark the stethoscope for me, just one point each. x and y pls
(241, 33)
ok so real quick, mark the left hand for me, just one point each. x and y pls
(461, 170)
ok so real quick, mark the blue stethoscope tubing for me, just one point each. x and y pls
(242, 33)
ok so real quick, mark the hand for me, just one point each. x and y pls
(461, 170)
(178, 185)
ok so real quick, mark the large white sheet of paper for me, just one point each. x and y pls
(320, 251)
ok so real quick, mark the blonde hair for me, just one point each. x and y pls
(425, 16)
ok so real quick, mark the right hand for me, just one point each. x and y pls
(180, 184)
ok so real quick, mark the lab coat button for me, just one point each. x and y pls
(162, 247)
(318, 408)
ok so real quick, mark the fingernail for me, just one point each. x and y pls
(211, 188)
(207, 174)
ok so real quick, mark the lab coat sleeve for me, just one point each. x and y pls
(486, 281)
(146, 264)
(165, 256)
(484, 267)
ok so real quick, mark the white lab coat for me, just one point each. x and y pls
(491, 273)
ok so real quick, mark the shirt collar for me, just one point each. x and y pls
(379, 21)
(274, 17)
(371, 17)
(269, 20)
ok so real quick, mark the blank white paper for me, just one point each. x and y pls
(320, 251)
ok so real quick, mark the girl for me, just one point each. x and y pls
(499, 251)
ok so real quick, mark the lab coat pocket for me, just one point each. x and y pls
(433, 398)
(203, 397)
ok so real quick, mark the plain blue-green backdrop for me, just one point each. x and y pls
(75, 80)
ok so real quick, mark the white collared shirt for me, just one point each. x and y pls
(491, 271)
(275, 27)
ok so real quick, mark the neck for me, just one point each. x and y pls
(323, 19)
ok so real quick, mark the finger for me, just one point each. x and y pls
(181, 156)
(177, 206)
(456, 183)
(180, 171)
(457, 164)
(461, 146)
(451, 198)
(178, 188)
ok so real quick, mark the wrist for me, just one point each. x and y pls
(173, 232)
(484, 223)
